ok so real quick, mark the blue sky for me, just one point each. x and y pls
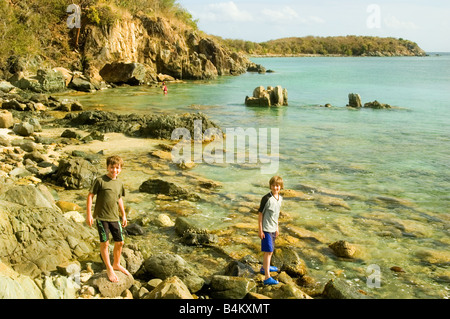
(424, 22)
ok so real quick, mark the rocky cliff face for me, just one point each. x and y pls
(161, 48)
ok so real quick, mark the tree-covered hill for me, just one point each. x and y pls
(342, 46)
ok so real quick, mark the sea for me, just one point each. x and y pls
(388, 169)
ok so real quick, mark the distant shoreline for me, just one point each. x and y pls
(428, 54)
(340, 55)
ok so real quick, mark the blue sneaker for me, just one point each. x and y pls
(270, 281)
(271, 269)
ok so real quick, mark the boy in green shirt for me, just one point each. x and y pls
(109, 191)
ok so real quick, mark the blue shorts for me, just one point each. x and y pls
(268, 243)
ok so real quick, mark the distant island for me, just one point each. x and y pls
(328, 46)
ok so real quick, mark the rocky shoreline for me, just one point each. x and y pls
(50, 152)
(50, 156)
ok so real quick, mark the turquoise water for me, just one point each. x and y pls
(393, 165)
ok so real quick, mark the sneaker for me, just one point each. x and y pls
(271, 281)
(271, 269)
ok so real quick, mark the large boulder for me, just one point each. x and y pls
(167, 265)
(43, 81)
(120, 72)
(268, 97)
(228, 287)
(23, 129)
(288, 260)
(170, 288)
(16, 286)
(35, 237)
(133, 260)
(76, 173)
(51, 80)
(29, 195)
(6, 119)
(81, 83)
(354, 100)
(59, 287)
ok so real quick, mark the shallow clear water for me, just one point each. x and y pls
(391, 167)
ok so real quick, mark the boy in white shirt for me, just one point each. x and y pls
(268, 214)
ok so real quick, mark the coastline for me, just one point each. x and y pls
(236, 238)
(155, 231)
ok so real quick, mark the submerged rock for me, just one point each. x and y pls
(343, 249)
(192, 234)
(150, 126)
(377, 105)
(159, 186)
(340, 289)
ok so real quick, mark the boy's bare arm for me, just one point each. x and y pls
(89, 219)
(122, 213)
(261, 232)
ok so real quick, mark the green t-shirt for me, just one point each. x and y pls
(108, 192)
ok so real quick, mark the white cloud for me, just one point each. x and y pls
(394, 23)
(224, 12)
(315, 19)
(286, 13)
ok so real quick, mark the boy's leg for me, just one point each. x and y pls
(104, 252)
(266, 264)
(117, 253)
(103, 231)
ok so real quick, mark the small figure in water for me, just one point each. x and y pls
(164, 88)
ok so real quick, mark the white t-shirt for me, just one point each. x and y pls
(270, 208)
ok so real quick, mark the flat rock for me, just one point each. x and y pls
(111, 289)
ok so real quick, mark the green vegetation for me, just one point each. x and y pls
(343, 46)
(31, 28)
